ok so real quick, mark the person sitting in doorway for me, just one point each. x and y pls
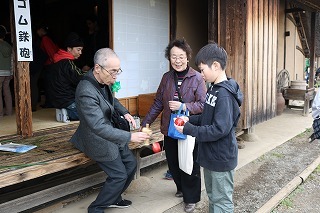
(64, 76)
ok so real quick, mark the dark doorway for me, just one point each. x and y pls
(63, 16)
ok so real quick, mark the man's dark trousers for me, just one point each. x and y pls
(120, 173)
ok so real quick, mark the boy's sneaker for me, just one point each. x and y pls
(168, 175)
(122, 204)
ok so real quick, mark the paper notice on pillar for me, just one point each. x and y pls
(15, 147)
(23, 30)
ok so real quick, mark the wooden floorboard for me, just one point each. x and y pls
(54, 153)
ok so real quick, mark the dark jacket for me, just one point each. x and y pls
(63, 77)
(96, 136)
(214, 129)
(192, 91)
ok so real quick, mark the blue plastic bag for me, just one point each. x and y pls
(172, 131)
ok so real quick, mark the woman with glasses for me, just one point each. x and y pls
(180, 86)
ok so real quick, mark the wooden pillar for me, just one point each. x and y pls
(312, 49)
(22, 92)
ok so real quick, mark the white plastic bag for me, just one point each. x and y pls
(185, 154)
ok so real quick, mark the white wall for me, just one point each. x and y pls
(295, 60)
(141, 34)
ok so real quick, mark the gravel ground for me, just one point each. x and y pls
(258, 181)
(305, 198)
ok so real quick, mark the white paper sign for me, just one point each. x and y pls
(23, 30)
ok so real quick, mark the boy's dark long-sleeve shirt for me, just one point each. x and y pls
(214, 129)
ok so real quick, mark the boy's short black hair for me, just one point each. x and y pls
(180, 43)
(210, 53)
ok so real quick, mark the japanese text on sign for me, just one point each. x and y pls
(23, 30)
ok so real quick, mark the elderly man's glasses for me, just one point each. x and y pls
(114, 73)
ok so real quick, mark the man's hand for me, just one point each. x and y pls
(139, 137)
(85, 68)
(130, 119)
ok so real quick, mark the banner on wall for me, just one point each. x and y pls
(23, 30)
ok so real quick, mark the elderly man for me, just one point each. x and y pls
(97, 136)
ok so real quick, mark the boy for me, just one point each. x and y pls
(214, 129)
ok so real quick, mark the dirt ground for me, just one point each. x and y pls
(258, 181)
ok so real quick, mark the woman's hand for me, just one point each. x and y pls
(175, 105)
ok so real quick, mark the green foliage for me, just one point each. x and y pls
(278, 155)
(288, 201)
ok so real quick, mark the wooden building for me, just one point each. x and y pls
(262, 38)
(254, 33)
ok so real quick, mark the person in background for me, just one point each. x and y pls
(96, 135)
(181, 86)
(214, 129)
(36, 67)
(50, 48)
(317, 74)
(316, 118)
(6, 73)
(47, 44)
(64, 76)
(95, 39)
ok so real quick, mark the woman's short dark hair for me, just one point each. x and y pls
(180, 43)
(210, 53)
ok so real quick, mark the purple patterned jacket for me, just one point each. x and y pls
(193, 93)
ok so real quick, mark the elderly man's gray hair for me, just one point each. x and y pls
(102, 55)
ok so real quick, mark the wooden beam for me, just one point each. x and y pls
(53, 193)
(248, 90)
(28, 173)
(21, 87)
(312, 49)
(22, 99)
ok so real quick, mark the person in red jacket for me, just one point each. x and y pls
(49, 47)
(47, 44)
